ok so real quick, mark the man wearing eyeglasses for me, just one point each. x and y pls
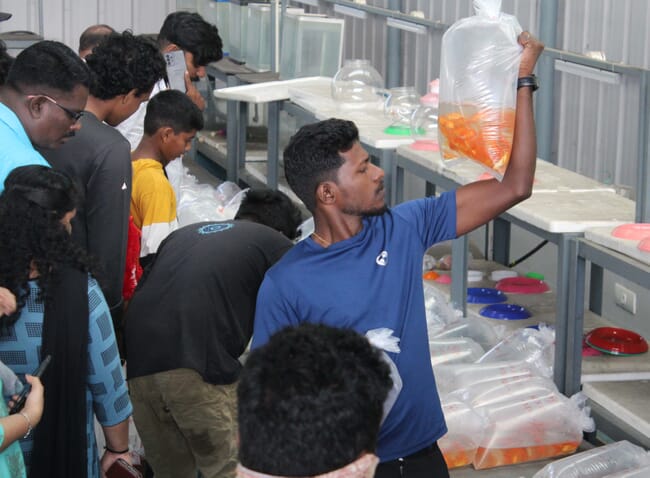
(40, 103)
(124, 69)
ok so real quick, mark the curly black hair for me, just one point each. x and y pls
(34, 201)
(190, 32)
(123, 62)
(271, 208)
(310, 401)
(313, 156)
(49, 64)
(6, 61)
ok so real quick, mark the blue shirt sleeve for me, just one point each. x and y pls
(272, 312)
(433, 217)
(106, 382)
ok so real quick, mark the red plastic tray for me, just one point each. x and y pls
(522, 285)
(632, 231)
(615, 341)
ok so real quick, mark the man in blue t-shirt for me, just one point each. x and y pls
(40, 103)
(362, 266)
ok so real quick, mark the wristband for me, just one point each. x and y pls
(29, 424)
(115, 452)
(528, 81)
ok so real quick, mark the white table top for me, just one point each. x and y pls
(317, 99)
(628, 401)
(603, 236)
(268, 91)
(559, 210)
(548, 176)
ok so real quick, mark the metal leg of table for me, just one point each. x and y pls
(386, 162)
(574, 325)
(501, 246)
(562, 310)
(242, 128)
(273, 145)
(459, 264)
(596, 289)
(232, 134)
(399, 184)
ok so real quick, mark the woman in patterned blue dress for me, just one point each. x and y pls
(61, 311)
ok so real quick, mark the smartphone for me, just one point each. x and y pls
(20, 401)
(175, 61)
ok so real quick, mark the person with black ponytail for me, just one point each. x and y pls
(60, 311)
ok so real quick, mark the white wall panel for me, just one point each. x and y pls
(64, 20)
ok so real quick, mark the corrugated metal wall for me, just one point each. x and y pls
(64, 20)
(596, 130)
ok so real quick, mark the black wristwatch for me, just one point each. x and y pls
(528, 81)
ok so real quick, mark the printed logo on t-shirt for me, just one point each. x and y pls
(382, 258)
(212, 228)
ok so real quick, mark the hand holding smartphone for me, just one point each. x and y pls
(19, 403)
(176, 67)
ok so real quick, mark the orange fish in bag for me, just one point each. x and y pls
(478, 87)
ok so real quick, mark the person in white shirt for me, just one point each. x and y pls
(200, 43)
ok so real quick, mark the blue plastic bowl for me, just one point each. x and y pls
(485, 295)
(505, 312)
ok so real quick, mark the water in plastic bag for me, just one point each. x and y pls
(543, 425)
(465, 428)
(478, 75)
(450, 378)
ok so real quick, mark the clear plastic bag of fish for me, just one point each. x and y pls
(465, 428)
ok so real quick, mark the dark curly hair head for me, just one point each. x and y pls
(271, 208)
(5, 62)
(310, 401)
(174, 109)
(34, 201)
(123, 62)
(190, 32)
(48, 64)
(313, 156)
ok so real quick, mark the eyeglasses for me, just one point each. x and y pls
(74, 115)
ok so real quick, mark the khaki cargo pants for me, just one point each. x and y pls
(186, 424)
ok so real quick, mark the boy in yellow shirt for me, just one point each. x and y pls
(170, 124)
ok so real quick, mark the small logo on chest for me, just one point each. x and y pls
(382, 258)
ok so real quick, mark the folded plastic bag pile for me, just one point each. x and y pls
(500, 404)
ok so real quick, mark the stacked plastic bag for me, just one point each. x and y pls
(499, 401)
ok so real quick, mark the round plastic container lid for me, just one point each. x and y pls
(644, 245)
(398, 130)
(522, 285)
(616, 341)
(474, 276)
(633, 231)
(502, 274)
(535, 275)
(485, 295)
(424, 145)
(505, 312)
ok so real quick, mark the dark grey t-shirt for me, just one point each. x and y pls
(98, 158)
(195, 304)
